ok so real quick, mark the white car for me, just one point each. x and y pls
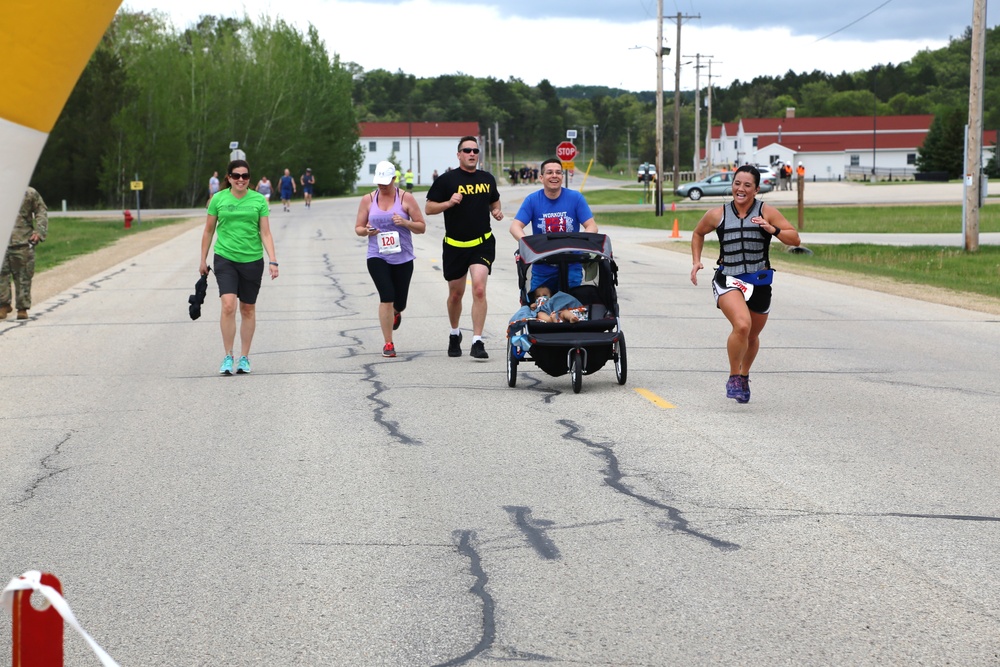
(768, 175)
(645, 168)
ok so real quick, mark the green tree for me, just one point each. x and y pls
(69, 167)
(943, 148)
(814, 97)
(851, 103)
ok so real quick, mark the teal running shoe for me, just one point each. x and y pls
(227, 365)
(243, 366)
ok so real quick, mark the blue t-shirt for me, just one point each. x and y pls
(565, 213)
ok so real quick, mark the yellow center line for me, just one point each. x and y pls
(654, 399)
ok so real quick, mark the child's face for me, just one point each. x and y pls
(542, 291)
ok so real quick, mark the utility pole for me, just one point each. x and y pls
(677, 99)
(595, 143)
(973, 145)
(628, 140)
(697, 114)
(659, 107)
(708, 147)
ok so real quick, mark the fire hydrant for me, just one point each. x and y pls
(128, 220)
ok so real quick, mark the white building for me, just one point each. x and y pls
(422, 147)
(829, 148)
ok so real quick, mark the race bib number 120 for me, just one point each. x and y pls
(388, 243)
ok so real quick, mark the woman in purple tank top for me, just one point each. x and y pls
(389, 217)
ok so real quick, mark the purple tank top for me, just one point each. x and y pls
(382, 221)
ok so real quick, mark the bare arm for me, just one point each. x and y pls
(416, 222)
(361, 227)
(705, 226)
(775, 224)
(268, 241)
(435, 207)
(206, 242)
(497, 210)
(590, 226)
(517, 229)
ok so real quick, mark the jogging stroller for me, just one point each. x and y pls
(578, 348)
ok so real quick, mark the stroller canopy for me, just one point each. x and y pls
(535, 247)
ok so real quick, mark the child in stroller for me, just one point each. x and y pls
(548, 307)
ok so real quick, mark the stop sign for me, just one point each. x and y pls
(566, 151)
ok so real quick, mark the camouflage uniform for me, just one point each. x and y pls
(19, 262)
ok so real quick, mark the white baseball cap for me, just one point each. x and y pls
(385, 171)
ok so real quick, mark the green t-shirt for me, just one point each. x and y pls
(238, 227)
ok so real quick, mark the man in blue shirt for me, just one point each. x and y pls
(553, 209)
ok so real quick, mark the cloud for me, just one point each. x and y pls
(591, 42)
(850, 19)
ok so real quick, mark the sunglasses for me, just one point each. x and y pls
(240, 177)
(470, 150)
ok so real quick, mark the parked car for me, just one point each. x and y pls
(717, 185)
(768, 175)
(646, 168)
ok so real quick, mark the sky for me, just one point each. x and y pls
(607, 42)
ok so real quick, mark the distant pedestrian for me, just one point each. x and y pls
(264, 187)
(287, 188)
(30, 228)
(408, 178)
(307, 180)
(213, 185)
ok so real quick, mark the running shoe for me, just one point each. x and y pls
(478, 350)
(389, 350)
(734, 387)
(744, 396)
(455, 345)
(227, 365)
(243, 366)
(396, 319)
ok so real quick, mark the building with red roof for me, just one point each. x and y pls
(828, 148)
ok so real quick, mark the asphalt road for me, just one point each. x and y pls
(338, 508)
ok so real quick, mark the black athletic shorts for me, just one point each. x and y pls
(455, 262)
(239, 278)
(391, 280)
(760, 298)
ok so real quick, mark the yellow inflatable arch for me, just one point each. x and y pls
(44, 47)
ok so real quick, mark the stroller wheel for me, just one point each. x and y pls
(576, 371)
(511, 365)
(621, 368)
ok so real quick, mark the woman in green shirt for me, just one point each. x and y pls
(240, 216)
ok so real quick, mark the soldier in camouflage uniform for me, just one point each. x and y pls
(31, 227)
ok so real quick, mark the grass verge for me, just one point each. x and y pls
(826, 219)
(72, 237)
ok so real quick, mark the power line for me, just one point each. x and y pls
(853, 22)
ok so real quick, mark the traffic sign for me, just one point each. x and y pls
(566, 151)
(568, 165)
(136, 185)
